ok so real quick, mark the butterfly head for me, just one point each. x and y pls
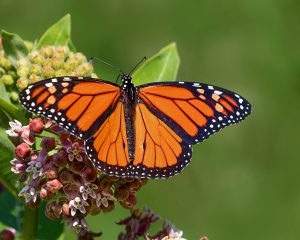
(126, 80)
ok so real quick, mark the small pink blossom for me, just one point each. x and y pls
(35, 166)
(174, 235)
(103, 198)
(88, 190)
(79, 224)
(29, 193)
(77, 204)
(75, 151)
(26, 136)
(19, 166)
(18, 130)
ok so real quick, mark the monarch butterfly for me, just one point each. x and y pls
(138, 132)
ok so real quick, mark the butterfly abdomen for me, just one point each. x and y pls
(129, 107)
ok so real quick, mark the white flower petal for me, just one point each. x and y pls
(84, 196)
(73, 211)
(75, 222)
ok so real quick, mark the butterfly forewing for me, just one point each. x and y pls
(79, 105)
(194, 111)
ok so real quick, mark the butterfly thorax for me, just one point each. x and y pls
(128, 99)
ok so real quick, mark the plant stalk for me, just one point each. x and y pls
(30, 223)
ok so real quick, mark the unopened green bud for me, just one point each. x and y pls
(23, 62)
(2, 71)
(14, 96)
(58, 63)
(74, 74)
(70, 64)
(22, 83)
(23, 71)
(38, 59)
(35, 69)
(63, 49)
(79, 57)
(47, 62)
(60, 73)
(33, 79)
(48, 72)
(46, 51)
(94, 75)
(28, 45)
(12, 73)
(58, 55)
(7, 79)
(85, 69)
(5, 63)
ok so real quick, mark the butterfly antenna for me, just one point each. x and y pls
(118, 78)
(108, 64)
(139, 63)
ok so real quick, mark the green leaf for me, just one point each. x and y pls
(13, 111)
(71, 46)
(58, 34)
(3, 92)
(11, 211)
(7, 178)
(44, 224)
(4, 120)
(163, 66)
(13, 46)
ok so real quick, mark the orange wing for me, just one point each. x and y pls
(108, 148)
(193, 111)
(159, 151)
(80, 105)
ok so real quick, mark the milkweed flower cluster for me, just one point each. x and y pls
(52, 61)
(55, 168)
(8, 75)
(138, 224)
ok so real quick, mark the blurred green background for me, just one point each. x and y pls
(243, 182)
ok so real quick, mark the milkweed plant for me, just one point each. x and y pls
(46, 168)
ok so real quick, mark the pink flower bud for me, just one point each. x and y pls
(129, 202)
(50, 171)
(60, 159)
(22, 150)
(8, 234)
(48, 143)
(53, 185)
(36, 125)
(46, 195)
(76, 166)
(89, 174)
(121, 193)
(65, 176)
(66, 209)
(53, 210)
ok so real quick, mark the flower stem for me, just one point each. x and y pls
(30, 221)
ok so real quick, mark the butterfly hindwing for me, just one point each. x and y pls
(77, 104)
(159, 151)
(194, 111)
(108, 148)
